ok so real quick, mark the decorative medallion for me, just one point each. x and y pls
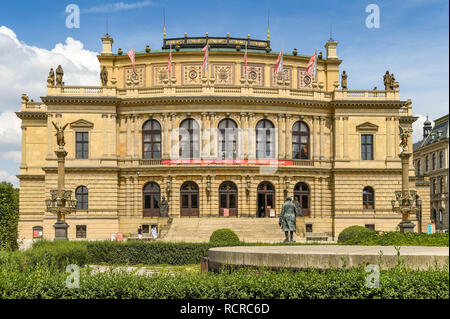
(304, 79)
(255, 72)
(131, 77)
(192, 73)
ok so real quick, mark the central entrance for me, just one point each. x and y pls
(189, 199)
(228, 199)
(266, 199)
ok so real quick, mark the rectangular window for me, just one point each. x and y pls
(82, 145)
(81, 231)
(370, 226)
(309, 228)
(367, 147)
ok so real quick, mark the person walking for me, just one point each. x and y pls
(140, 232)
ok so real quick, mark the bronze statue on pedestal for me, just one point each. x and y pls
(60, 134)
(287, 219)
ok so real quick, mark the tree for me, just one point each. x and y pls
(9, 216)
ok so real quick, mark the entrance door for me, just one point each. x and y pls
(189, 199)
(301, 194)
(228, 204)
(266, 199)
(151, 197)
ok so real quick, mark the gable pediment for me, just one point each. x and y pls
(81, 124)
(367, 126)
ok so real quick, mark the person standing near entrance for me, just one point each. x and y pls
(140, 232)
(154, 232)
(287, 219)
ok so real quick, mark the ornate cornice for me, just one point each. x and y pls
(31, 115)
(62, 100)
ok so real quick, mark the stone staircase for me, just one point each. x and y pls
(195, 229)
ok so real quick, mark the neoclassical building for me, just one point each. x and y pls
(431, 164)
(215, 143)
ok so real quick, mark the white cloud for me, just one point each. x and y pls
(11, 155)
(24, 69)
(10, 132)
(118, 6)
(418, 127)
(6, 177)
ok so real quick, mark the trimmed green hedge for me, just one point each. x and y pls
(358, 235)
(224, 237)
(248, 284)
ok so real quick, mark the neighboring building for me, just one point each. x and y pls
(431, 163)
(216, 146)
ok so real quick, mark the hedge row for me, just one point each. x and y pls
(245, 283)
(358, 235)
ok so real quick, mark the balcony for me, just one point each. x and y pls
(208, 88)
(220, 162)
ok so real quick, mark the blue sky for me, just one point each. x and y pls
(412, 42)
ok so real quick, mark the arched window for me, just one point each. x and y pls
(368, 198)
(265, 139)
(228, 135)
(189, 137)
(266, 199)
(433, 216)
(433, 162)
(228, 199)
(427, 164)
(189, 199)
(300, 141)
(301, 194)
(151, 139)
(151, 199)
(82, 196)
(441, 159)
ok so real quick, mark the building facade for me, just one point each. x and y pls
(226, 141)
(431, 164)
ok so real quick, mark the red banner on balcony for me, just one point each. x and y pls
(225, 162)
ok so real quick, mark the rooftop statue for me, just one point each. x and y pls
(51, 78)
(344, 80)
(59, 75)
(60, 134)
(104, 76)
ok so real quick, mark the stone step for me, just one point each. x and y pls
(247, 229)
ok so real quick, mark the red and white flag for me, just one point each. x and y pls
(310, 68)
(245, 60)
(279, 64)
(169, 62)
(132, 58)
(205, 58)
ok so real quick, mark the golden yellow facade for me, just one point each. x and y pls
(116, 171)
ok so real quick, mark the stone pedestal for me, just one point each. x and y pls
(61, 230)
(406, 227)
(301, 226)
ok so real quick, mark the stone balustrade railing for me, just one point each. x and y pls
(209, 89)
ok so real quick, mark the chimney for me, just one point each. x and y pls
(331, 46)
(107, 42)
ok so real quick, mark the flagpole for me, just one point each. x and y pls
(315, 65)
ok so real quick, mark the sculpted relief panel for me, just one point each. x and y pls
(254, 72)
(224, 73)
(192, 74)
(130, 76)
(304, 80)
(160, 73)
(286, 76)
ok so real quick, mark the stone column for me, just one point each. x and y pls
(213, 135)
(345, 136)
(128, 136)
(105, 135)
(113, 136)
(23, 163)
(315, 136)
(165, 137)
(205, 150)
(288, 135)
(173, 138)
(337, 138)
(388, 137)
(281, 153)
(322, 142)
(49, 138)
(251, 137)
(136, 137)
(242, 137)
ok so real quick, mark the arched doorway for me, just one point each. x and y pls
(266, 199)
(151, 199)
(228, 199)
(301, 194)
(189, 202)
